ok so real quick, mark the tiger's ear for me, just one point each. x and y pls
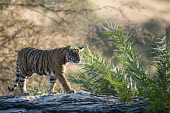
(68, 48)
(81, 48)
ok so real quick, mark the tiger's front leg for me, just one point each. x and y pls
(65, 84)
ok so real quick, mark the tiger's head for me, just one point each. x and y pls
(73, 54)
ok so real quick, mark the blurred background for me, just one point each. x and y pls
(48, 24)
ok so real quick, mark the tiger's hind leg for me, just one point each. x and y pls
(22, 85)
(51, 85)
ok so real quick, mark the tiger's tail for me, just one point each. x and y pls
(17, 79)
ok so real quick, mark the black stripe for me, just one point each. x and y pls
(17, 79)
(43, 72)
(35, 60)
(17, 71)
(49, 63)
(22, 80)
(22, 76)
(42, 60)
(49, 73)
(39, 72)
(64, 59)
(51, 79)
(63, 50)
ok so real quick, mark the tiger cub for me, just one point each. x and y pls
(45, 62)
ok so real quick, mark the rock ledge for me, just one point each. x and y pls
(80, 102)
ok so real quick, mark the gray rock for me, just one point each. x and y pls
(14, 110)
(80, 102)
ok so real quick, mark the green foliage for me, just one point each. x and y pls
(159, 93)
(162, 58)
(93, 79)
(38, 90)
(133, 65)
(131, 79)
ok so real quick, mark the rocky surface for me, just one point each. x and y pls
(80, 102)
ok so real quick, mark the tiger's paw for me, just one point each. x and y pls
(71, 91)
(52, 93)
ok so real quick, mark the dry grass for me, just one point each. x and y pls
(138, 11)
